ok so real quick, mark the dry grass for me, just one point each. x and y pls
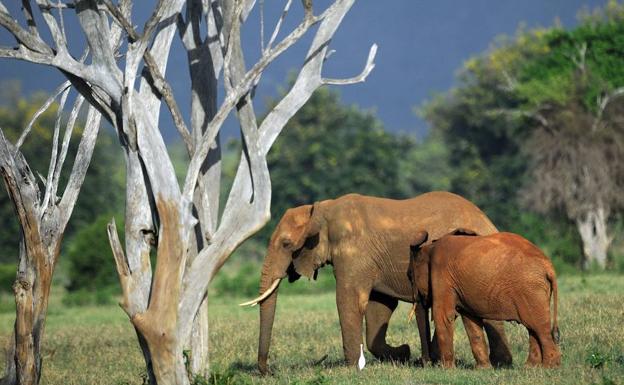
(96, 345)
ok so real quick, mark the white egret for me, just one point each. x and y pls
(361, 360)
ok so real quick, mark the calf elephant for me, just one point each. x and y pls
(499, 276)
(367, 241)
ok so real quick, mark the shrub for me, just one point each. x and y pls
(597, 359)
(243, 280)
(84, 297)
(7, 277)
(558, 240)
(91, 274)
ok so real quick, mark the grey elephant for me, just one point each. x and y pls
(367, 241)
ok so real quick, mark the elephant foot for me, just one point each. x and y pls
(500, 355)
(264, 368)
(501, 359)
(400, 353)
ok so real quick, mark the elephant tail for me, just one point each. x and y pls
(554, 290)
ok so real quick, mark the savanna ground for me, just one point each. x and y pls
(97, 345)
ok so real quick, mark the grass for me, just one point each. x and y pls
(97, 345)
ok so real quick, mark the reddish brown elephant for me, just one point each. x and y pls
(500, 276)
(367, 240)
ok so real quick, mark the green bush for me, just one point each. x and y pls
(92, 275)
(7, 303)
(242, 279)
(7, 277)
(597, 359)
(558, 240)
(84, 297)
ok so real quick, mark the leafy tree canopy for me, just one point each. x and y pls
(519, 105)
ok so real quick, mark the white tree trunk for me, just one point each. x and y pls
(43, 220)
(592, 227)
(167, 305)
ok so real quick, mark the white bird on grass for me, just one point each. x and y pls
(361, 360)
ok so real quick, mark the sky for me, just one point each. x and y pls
(422, 44)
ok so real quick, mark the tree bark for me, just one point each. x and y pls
(592, 227)
(42, 224)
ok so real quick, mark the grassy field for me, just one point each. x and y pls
(96, 345)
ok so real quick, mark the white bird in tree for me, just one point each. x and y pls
(361, 360)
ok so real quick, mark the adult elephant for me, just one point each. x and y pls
(367, 240)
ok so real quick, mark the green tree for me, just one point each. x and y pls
(535, 118)
(328, 149)
(91, 260)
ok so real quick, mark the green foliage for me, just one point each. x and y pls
(84, 297)
(91, 262)
(241, 278)
(7, 277)
(424, 166)
(558, 239)
(488, 122)
(7, 303)
(327, 150)
(597, 359)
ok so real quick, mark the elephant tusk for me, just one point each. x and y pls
(411, 314)
(261, 298)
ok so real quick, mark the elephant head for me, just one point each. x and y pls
(420, 257)
(418, 273)
(297, 247)
(419, 267)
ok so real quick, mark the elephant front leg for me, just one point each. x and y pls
(500, 355)
(535, 351)
(351, 303)
(378, 312)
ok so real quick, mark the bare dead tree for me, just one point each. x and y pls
(578, 166)
(167, 304)
(43, 218)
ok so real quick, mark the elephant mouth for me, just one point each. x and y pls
(292, 273)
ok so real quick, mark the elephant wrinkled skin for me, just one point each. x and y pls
(500, 276)
(367, 240)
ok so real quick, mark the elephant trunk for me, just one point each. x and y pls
(273, 270)
(267, 315)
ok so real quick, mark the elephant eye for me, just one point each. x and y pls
(286, 243)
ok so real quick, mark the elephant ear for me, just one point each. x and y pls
(415, 243)
(312, 226)
(419, 273)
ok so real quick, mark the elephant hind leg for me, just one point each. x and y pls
(444, 318)
(551, 356)
(535, 351)
(474, 330)
(500, 355)
(378, 312)
(539, 327)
